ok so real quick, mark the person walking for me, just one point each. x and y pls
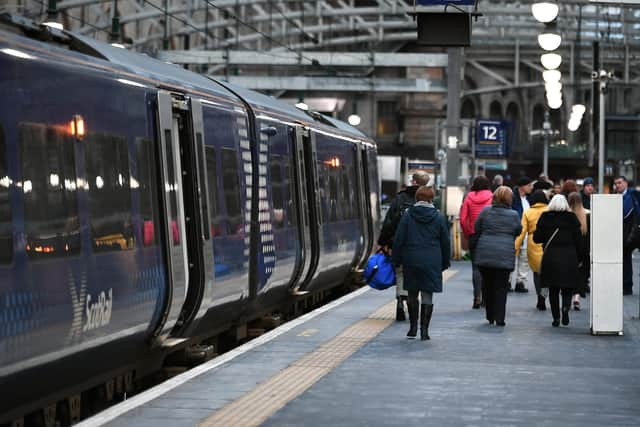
(575, 204)
(497, 227)
(629, 219)
(478, 198)
(498, 180)
(558, 231)
(586, 192)
(403, 201)
(421, 245)
(520, 204)
(534, 250)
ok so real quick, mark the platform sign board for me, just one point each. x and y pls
(446, 2)
(491, 139)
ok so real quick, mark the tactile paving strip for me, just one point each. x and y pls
(255, 407)
(268, 397)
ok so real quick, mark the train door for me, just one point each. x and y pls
(302, 203)
(364, 203)
(179, 153)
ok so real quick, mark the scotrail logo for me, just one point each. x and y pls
(98, 312)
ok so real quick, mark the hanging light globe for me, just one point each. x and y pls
(553, 87)
(354, 120)
(551, 61)
(551, 76)
(578, 110)
(545, 11)
(549, 41)
(555, 103)
(574, 125)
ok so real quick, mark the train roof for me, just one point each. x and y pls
(148, 67)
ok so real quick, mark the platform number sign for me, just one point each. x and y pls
(491, 139)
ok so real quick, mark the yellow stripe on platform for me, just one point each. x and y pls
(268, 397)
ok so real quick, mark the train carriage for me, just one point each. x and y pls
(144, 208)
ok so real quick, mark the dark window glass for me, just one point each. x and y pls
(277, 188)
(212, 179)
(348, 200)
(147, 185)
(107, 165)
(52, 227)
(172, 192)
(231, 183)
(6, 228)
(333, 195)
(387, 118)
(288, 184)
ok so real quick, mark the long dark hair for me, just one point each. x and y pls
(480, 183)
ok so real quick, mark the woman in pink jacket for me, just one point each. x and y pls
(478, 198)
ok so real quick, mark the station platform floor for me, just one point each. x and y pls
(350, 364)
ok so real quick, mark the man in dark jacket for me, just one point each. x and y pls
(403, 200)
(586, 192)
(520, 203)
(630, 208)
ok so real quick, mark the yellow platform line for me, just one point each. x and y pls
(253, 408)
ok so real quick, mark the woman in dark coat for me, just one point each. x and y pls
(558, 231)
(497, 227)
(421, 245)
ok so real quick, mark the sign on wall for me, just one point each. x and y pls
(491, 139)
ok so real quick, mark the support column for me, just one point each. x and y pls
(453, 117)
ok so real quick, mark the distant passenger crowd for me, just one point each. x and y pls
(536, 225)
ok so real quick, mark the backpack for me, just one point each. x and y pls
(392, 220)
(379, 272)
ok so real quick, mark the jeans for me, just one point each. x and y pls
(495, 285)
(477, 281)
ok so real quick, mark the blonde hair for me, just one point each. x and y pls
(575, 203)
(559, 204)
(503, 196)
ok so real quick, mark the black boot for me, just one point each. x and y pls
(565, 316)
(400, 317)
(541, 305)
(413, 319)
(426, 311)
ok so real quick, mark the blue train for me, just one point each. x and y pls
(144, 208)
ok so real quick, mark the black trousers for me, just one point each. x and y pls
(554, 299)
(495, 285)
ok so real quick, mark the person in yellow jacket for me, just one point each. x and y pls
(538, 204)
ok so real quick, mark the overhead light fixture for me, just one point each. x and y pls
(573, 125)
(301, 105)
(551, 61)
(553, 95)
(555, 103)
(551, 76)
(578, 110)
(52, 24)
(118, 45)
(354, 120)
(553, 87)
(545, 11)
(549, 41)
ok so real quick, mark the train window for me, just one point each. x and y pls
(212, 179)
(173, 186)
(6, 229)
(333, 196)
(52, 226)
(346, 196)
(107, 165)
(277, 191)
(231, 184)
(289, 186)
(147, 184)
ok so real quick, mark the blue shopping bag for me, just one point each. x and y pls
(379, 272)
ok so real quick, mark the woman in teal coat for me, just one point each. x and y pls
(422, 246)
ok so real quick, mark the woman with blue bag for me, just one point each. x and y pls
(421, 245)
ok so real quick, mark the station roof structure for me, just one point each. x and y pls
(341, 45)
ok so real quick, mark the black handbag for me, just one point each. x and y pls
(633, 237)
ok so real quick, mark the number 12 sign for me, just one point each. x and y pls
(491, 139)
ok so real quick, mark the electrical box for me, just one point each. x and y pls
(606, 265)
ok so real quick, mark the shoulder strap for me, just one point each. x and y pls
(550, 239)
